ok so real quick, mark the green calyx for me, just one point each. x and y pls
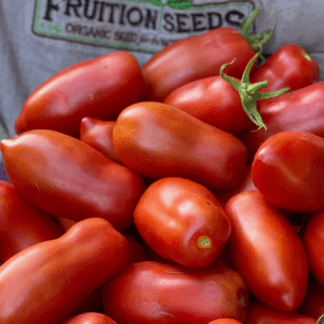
(249, 92)
(255, 40)
(319, 321)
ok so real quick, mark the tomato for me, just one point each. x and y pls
(288, 169)
(66, 177)
(225, 321)
(266, 251)
(300, 110)
(157, 140)
(152, 292)
(314, 244)
(46, 282)
(137, 250)
(99, 135)
(212, 100)
(196, 58)
(313, 303)
(182, 220)
(261, 314)
(289, 66)
(100, 87)
(89, 318)
(22, 224)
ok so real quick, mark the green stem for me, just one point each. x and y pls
(319, 321)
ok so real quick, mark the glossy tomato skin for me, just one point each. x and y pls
(212, 100)
(46, 282)
(266, 251)
(182, 220)
(100, 87)
(289, 66)
(195, 58)
(182, 146)
(299, 110)
(313, 239)
(22, 224)
(225, 321)
(152, 292)
(89, 318)
(259, 313)
(288, 169)
(99, 135)
(66, 177)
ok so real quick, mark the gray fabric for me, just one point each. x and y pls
(32, 48)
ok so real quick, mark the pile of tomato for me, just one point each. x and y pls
(189, 190)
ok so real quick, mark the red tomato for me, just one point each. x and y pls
(289, 66)
(158, 141)
(152, 292)
(22, 224)
(196, 58)
(300, 110)
(212, 100)
(262, 314)
(68, 178)
(266, 251)
(183, 221)
(99, 135)
(99, 88)
(288, 169)
(225, 321)
(314, 244)
(46, 282)
(137, 250)
(89, 318)
(313, 303)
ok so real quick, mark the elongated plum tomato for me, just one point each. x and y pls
(288, 169)
(183, 221)
(153, 292)
(157, 140)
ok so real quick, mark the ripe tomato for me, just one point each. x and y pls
(266, 251)
(313, 239)
(22, 224)
(299, 110)
(157, 140)
(152, 292)
(261, 314)
(195, 58)
(89, 318)
(182, 220)
(66, 177)
(225, 321)
(46, 282)
(288, 169)
(99, 88)
(289, 66)
(99, 135)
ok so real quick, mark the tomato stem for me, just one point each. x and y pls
(319, 321)
(256, 40)
(249, 92)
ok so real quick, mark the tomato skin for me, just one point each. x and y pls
(313, 239)
(181, 220)
(99, 88)
(152, 292)
(262, 314)
(300, 110)
(182, 146)
(66, 177)
(262, 235)
(288, 169)
(289, 66)
(225, 321)
(57, 276)
(22, 224)
(89, 318)
(99, 135)
(195, 58)
(212, 100)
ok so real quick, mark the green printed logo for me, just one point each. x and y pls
(175, 4)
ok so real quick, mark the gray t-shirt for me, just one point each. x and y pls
(41, 37)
